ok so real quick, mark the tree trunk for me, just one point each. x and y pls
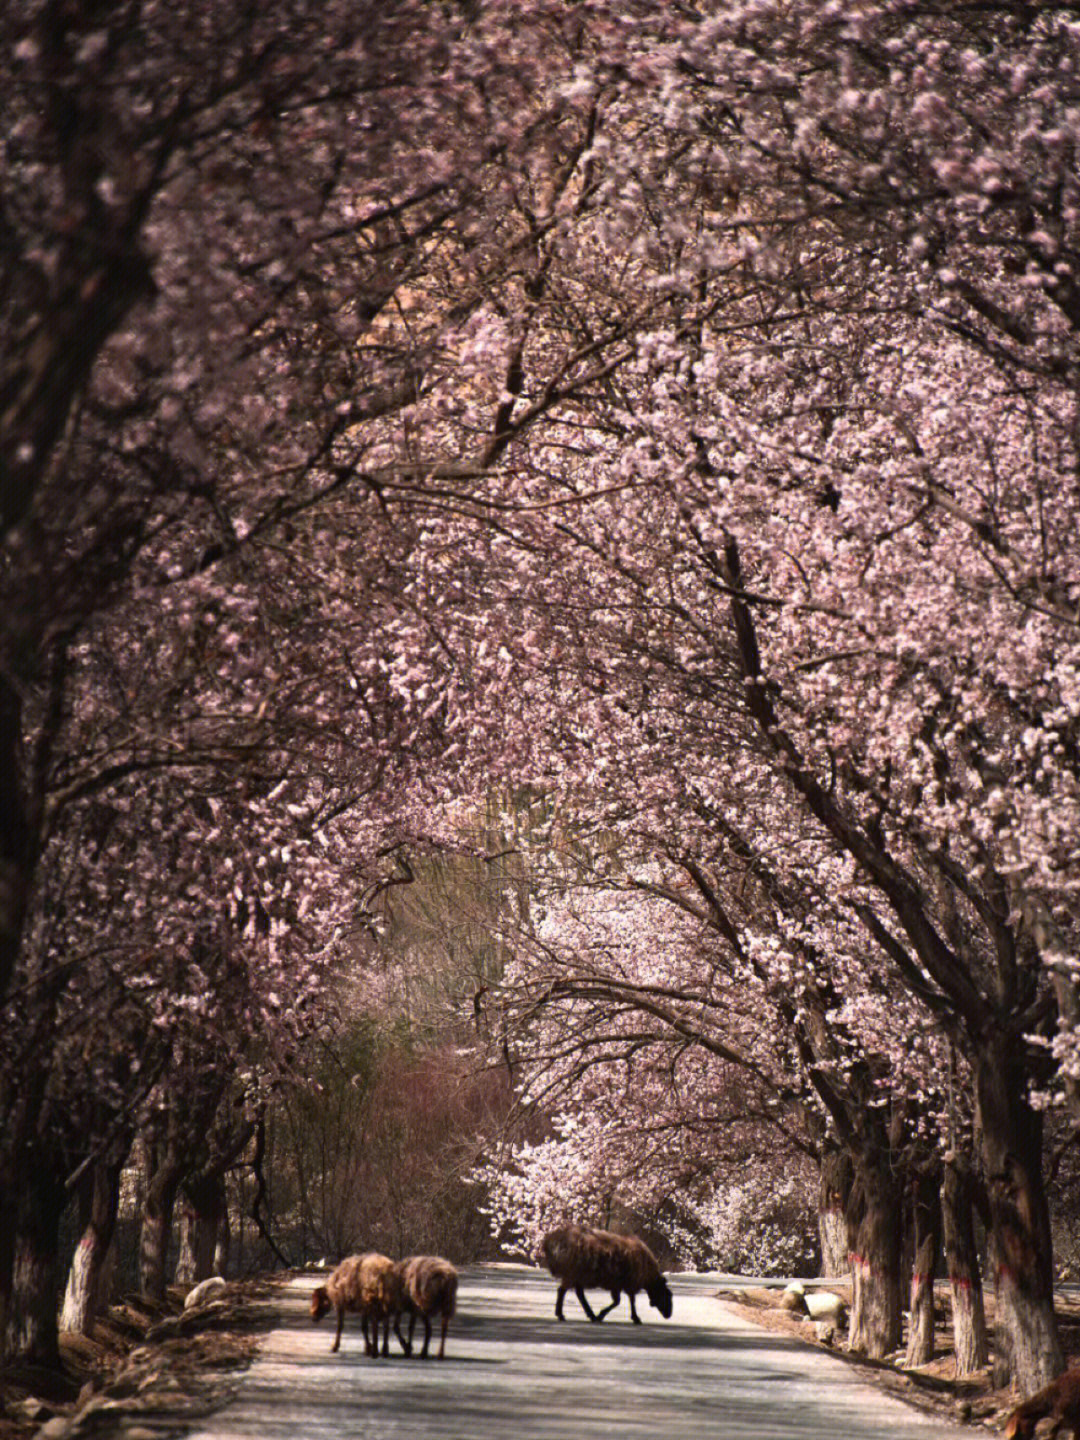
(32, 1335)
(98, 1203)
(104, 277)
(157, 1227)
(7, 1257)
(24, 1165)
(962, 1259)
(1011, 1137)
(876, 1319)
(185, 1259)
(16, 867)
(203, 1212)
(16, 829)
(926, 1225)
(854, 1210)
(223, 1248)
(836, 1177)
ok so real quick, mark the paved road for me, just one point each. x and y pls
(511, 1370)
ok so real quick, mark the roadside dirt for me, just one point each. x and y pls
(146, 1373)
(933, 1388)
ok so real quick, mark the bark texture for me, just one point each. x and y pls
(836, 1178)
(98, 1203)
(962, 1259)
(202, 1216)
(157, 1227)
(926, 1226)
(876, 1319)
(32, 1332)
(1011, 1136)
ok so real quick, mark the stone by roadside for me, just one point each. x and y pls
(932, 1388)
(147, 1373)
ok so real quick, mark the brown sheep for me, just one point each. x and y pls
(582, 1258)
(1060, 1399)
(428, 1287)
(368, 1285)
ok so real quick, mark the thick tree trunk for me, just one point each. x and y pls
(23, 1166)
(7, 1257)
(99, 1201)
(1011, 1137)
(926, 1225)
(203, 1213)
(962, 1259)
(32, 1335)
(836, 1177)
(185, 1259)
(876, 1318)
(157, 1227)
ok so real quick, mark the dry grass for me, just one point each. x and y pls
(141, 1359)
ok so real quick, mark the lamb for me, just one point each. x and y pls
(583, 1258)
(1060, 1399)
(820, 1305)
(428, 1286)
(206, 1291)
(368, 1285)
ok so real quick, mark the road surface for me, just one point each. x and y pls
(512, 1370)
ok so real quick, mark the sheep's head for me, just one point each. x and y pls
(1019, 1427)
(320, 1303)
(660, 1297)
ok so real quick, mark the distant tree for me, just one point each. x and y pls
(377, 1153)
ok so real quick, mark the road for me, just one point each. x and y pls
(511, 1369)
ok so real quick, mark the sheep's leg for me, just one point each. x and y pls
(442, 1337)
(366, 1332)
(427, 1336)
(559, 1302)
(616, 1295)
(580, 1293)
(633, 1309)
(340, 1326)
(406, 1345)
(412, 1327)
(386, 1336)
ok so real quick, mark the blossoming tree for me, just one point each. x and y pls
(842, 450)
(684, 422)
(208, 664)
